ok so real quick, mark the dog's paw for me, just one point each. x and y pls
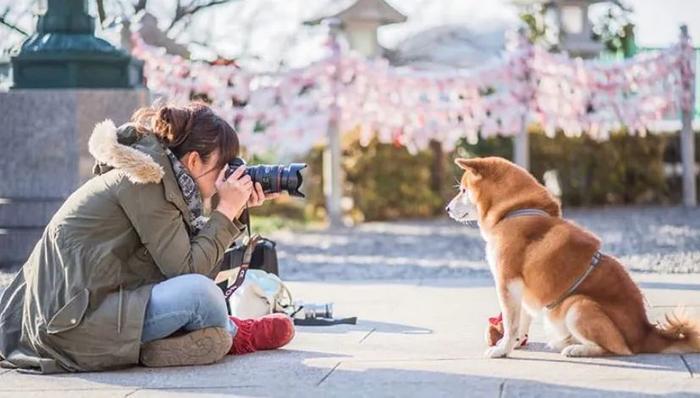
(583, 350)
(497, 351)
(575, 350)
(559, 345)
(521, 342)
(556, 346)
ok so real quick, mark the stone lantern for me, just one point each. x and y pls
(64, 53)
(575, 28)
(360, 20)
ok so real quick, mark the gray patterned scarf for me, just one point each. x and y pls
(189, 192)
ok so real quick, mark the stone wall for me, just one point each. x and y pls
(44, 157)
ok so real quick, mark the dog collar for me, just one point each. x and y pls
(526, 212)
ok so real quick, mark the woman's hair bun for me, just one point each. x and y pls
(173, 125)
(192, 127)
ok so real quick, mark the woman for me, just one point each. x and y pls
(122, 273)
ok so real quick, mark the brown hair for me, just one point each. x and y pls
(193, 127)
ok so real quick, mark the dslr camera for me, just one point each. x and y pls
(273, 178)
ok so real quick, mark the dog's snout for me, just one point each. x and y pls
(447, 209)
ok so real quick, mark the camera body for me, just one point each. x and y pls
(273, 178)
(314, 311)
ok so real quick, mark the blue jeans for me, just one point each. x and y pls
(186, 302)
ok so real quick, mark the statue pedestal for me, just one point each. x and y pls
(44, 140)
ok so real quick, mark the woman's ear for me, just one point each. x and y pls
(192, 161)
(471, 166)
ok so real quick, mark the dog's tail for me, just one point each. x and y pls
(678, 334)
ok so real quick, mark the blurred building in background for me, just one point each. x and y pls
(450, 45)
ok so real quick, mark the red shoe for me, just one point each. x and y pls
(265, 333)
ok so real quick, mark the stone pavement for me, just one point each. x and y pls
(421, 337)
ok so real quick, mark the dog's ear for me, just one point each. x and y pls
(474, 167)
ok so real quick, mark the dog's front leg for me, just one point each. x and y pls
(524, 328)
(510, 295)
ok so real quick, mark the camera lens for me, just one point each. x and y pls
(292, 179)
(274, 178)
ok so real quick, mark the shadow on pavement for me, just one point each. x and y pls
(395, 382)
(368, 326)
(293, 373)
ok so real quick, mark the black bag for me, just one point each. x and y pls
(264, 252)
(264, 256)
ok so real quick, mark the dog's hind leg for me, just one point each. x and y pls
(510, 295)
(560, 344)
(558, 334)
(595, 331)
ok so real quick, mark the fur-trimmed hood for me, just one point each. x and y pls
(107, 146)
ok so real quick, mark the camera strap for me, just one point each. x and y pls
(247, 219)
(247, 256)
(243, 269)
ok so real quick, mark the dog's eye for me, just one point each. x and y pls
(463, 191)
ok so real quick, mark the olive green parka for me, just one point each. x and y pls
(78, 303)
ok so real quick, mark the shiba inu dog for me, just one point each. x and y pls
(544, 264)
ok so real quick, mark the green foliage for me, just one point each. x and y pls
(615, 30)
(537, 30)
(494, 146)
(313, 185)
(626, 169)
(387, 182)
(265, 225)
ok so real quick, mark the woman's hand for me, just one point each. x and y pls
(234, 192)
(258, 197)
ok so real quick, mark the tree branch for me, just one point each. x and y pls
(12, 26)
(199, 7)
(140, 5)
(101, 11)
(191, 9)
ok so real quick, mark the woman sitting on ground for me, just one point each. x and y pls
(123, 272)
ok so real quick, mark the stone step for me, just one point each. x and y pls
(16, 244)
(27, 212)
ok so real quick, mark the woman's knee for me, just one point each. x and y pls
(208, 299)
(202, 288)
(199, 282)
